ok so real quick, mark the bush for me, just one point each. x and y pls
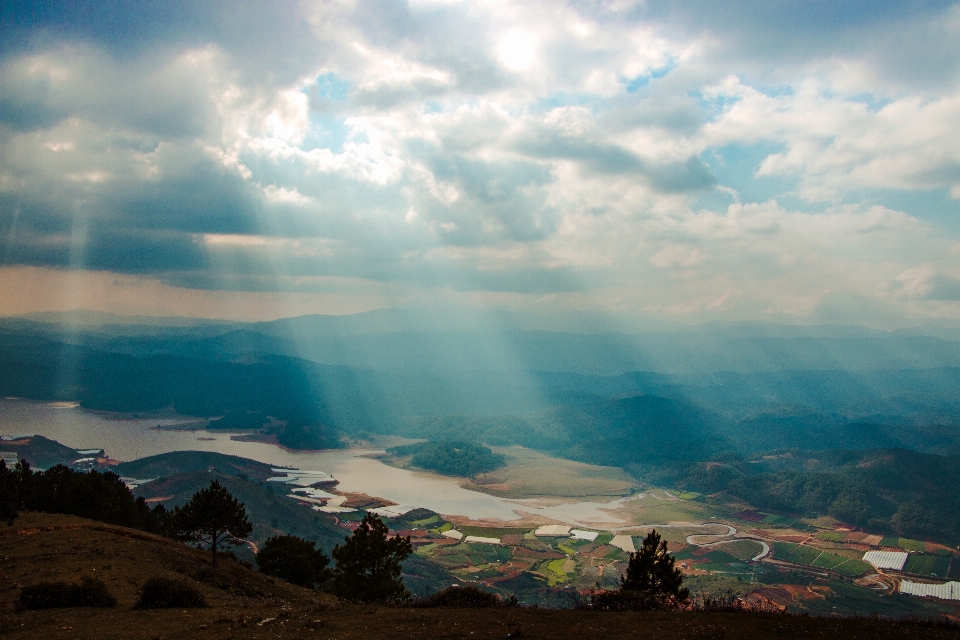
(626, 600)
(462, 597)
(295, 560)
(49, 595)
(163, 593)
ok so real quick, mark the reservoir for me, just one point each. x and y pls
(132, 439)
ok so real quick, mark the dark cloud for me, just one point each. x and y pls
(497, 200)
(599, 157)
(108, 249)
(275, 41)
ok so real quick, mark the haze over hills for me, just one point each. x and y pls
(656, 404)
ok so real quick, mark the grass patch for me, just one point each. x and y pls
(51, 595)
(531, 474)
(427, 522)
(163, 593)
(446, 526)
(465, 597)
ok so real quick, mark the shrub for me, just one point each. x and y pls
(48, 595)
(626, 600)
(462, 597)
(295, 560)
(163, 593)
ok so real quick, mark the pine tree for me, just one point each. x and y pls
(369, 564)
(295, 560)
(213, 517)
(651, 574)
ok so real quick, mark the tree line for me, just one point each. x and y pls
(368, 563)
(887, 491)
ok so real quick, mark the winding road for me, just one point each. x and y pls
(714, 538)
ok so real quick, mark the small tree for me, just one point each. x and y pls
(213, 517)
(651, 573)
(369, 564)
(295, 560)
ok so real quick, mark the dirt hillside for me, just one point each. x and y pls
(246, 604)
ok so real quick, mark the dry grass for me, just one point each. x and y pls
(531, 474)
(244, 604)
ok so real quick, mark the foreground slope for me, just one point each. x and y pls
(244, 604)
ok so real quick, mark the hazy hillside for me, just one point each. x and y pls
(655, 398)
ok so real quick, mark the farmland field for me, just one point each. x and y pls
(813, 557)
(492, 532)
(915, 546)
(938, 566)
(741, 549)
(779, 521)
(833, 536)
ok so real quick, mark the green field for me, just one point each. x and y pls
(431, 521)
(813, 557)
(603, 538)
(486, 553)
(834, 536)
(779, 521)
(925, 565)
(912, 545)
(741, 549)
(450, 561)
(555, 573)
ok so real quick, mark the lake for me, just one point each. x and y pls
(132, 439)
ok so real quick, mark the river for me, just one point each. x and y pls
(132, 439)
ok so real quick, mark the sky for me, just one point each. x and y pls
(793, 161)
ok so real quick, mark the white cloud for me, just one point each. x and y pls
(555, 146)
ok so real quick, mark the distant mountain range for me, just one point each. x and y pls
(651, 402)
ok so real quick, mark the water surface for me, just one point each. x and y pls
(137, 438)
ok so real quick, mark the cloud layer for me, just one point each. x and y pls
(791, 161)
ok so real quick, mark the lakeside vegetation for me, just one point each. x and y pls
(906, 493)
(450, 458)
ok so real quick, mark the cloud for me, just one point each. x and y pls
(511, 150)
(926, 283)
